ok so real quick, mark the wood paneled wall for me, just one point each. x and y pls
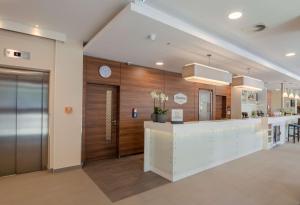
(135, 84)
(269, 103)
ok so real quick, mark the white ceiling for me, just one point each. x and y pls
(282, 18)
(125, 39)
(81, 20)
(78, 19)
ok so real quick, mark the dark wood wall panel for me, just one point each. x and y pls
(220, 107)
(92, 73)
(222, 90)
(135, 84)
(269, 103)
(228, 101)
(174, 83)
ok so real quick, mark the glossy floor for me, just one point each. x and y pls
(266, 177)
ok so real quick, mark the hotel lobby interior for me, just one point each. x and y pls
(149, 102)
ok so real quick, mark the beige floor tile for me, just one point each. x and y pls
(264, 178)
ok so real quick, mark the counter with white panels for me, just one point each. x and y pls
(283, 122)
(181, 150)
(178, 151)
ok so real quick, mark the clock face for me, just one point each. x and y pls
(105, 71)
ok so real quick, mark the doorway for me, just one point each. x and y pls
(220, 107)
(101, 130)
(23, 121)
(205, 105)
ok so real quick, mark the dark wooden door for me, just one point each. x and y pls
(220, 107)
(101, 122)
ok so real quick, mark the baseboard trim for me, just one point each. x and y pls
(64, 169)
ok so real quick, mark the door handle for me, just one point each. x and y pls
(114, 122)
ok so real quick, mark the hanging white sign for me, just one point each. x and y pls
(180, 98)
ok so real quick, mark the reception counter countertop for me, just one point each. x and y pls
(176, 151)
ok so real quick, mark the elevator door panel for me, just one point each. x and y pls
(7, 124)
(29, 124)
(23, 121)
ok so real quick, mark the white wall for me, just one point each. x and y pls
(68, 92)
(64, 61)
(42, 50)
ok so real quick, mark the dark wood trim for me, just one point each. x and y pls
(83, 112)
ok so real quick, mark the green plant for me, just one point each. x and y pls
(160, 111)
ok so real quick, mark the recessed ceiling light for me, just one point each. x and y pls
(36, 26)
(235, 15)
(290, 54)
(159, 63)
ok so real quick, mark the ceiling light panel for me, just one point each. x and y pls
(205, 74)
(248, 83)
(235, 15)
(290, 54)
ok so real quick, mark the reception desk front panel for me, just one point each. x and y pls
(179, 151)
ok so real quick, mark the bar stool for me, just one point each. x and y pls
(294, 131)
(297, 133)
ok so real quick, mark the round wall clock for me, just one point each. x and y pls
(105, 71)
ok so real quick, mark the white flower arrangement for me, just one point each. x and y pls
(154, 94)
(161, 98)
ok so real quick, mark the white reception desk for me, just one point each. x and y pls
(181, 150)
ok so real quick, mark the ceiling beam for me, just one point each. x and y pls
(30, 30)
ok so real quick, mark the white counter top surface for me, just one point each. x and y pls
(248, 120)
(169, 127)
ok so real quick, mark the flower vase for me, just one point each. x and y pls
(162, 118)
(154, 117)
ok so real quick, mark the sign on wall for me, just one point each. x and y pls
(180, 98)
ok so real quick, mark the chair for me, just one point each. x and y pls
(294, 131)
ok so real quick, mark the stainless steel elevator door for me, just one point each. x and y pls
(25, 134)
(8, 118)
(29, 124)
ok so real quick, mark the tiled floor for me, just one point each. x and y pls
(121, 178)
(264, 178)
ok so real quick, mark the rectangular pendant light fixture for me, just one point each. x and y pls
(205, 74)
(248, 83)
